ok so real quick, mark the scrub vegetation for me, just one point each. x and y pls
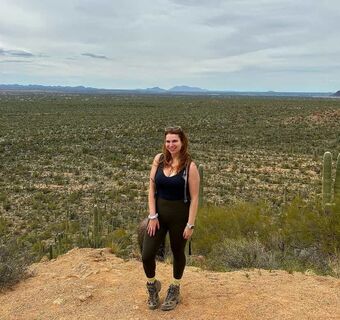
(302, 236)
(74, 172)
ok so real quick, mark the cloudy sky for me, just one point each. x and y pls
(214, 44)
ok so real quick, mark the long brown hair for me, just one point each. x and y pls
(184, 156)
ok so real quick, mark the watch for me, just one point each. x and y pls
(190, 226)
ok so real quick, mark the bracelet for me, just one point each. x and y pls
(190, 226)
(153, 216)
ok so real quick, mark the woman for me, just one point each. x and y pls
(173, 203)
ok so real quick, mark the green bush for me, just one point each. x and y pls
(13, 263)
(241, 253)
(3, 225)
(120, 242)
(299, 236)
(214, 224)
(307, 226)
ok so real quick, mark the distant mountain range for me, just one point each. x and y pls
(187, 89)
(177, 90)
(41, 88)
(82, 89)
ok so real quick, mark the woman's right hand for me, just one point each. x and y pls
(153, 225)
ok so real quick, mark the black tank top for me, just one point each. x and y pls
(169, 188)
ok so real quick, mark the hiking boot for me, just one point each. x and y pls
(153, 289)
(172, 298)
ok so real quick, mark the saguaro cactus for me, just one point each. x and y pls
(327, 178)
(97, 227)
(337, 181)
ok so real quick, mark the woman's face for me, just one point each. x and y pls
(173, 143)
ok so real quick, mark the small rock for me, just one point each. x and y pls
(85, 296)
(89, 287)
(58, 301)
(86, 275)
(99, 259)
(97, 256)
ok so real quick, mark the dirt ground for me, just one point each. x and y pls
(94, 284)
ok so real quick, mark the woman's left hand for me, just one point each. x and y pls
(187, 233)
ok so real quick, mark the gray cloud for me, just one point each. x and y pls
(15, 61)
(271, 25)
(16, 53)
(92, 55)
(198, 3)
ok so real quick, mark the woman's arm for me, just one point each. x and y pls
(153, 224)
(194, 183)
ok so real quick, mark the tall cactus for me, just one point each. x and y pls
(337, 181)
(97, 228)
(327, 179)
(200, 199)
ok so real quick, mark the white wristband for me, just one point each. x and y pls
(190, 226)
(153, 216)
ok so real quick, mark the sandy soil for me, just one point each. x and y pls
(94, 284)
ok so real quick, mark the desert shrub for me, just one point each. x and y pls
(299, 236)
(307, 225)
(3, 225)
(120, 242)
(246, 220)
(334, 264)
(312, 236)
(241, 253)
(309, 258)
(13, 263)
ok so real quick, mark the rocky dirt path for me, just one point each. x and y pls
(94, 284)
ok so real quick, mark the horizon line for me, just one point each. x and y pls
(199, 89)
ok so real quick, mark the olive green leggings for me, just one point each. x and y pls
(173, 217)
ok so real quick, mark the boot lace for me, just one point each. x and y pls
(152, 288)
(172, 293)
